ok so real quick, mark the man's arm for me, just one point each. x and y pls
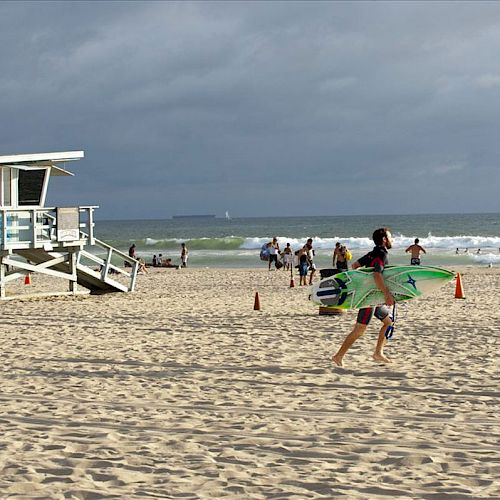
(408, 249)
(423, 249)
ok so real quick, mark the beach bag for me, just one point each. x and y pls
(279, 264)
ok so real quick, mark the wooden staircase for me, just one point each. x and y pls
(94, 280)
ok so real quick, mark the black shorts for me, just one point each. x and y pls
(342, 266)
(273, 258)
(415, 261)
(366, 314)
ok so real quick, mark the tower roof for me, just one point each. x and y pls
(36, 161)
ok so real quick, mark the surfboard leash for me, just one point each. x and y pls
(390, 329)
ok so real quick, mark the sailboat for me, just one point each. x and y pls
(227, 216)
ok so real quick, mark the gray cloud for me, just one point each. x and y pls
(258, 108)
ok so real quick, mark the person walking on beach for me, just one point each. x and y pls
(377, 259)
(184, 255)
(415, 250)
(273, 253)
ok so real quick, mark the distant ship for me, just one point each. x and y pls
(199, 216)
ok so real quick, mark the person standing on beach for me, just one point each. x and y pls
(287, 257)
(310, 259)
(342, 259)
(415, 250)
(184, 255)
(336, 251)
(273, 253)
(377, 259)
(303, 264)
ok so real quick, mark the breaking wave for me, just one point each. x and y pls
(255, 243)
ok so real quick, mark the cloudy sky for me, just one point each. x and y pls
(258, 108)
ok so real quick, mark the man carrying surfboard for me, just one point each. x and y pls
(377, 259)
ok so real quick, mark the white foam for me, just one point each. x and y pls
(486, 258)
(400, 241)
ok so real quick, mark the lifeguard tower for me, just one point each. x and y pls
(59, 241)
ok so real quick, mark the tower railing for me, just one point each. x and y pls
(37, 228)
(22, 228)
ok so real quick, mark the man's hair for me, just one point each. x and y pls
(379, 235)
(416, 241)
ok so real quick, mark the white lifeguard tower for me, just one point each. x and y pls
(60, 241)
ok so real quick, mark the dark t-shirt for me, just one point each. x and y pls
(377, 259)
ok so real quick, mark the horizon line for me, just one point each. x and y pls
(234, 217)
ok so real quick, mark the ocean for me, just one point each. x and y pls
(236, 242)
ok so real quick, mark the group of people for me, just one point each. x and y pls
(304, 258)
(376, 258)
(159, 261)
(285, 259)
(478, 251)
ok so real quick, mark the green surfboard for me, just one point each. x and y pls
(357, 289)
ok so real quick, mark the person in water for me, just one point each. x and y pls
(377, 259)
(415, 250)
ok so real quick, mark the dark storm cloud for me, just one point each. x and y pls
(258, 108)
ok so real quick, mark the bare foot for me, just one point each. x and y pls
(337, 360)
(382, 358)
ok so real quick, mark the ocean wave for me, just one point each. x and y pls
(354, 243)
(229, 243)
(400, 241)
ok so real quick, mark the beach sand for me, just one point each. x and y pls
(181, 389)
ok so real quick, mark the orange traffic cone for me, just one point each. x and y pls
(27, 279)
(292, 282)
(459, 291)
(256, 304)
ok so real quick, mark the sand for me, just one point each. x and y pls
(182, 390)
